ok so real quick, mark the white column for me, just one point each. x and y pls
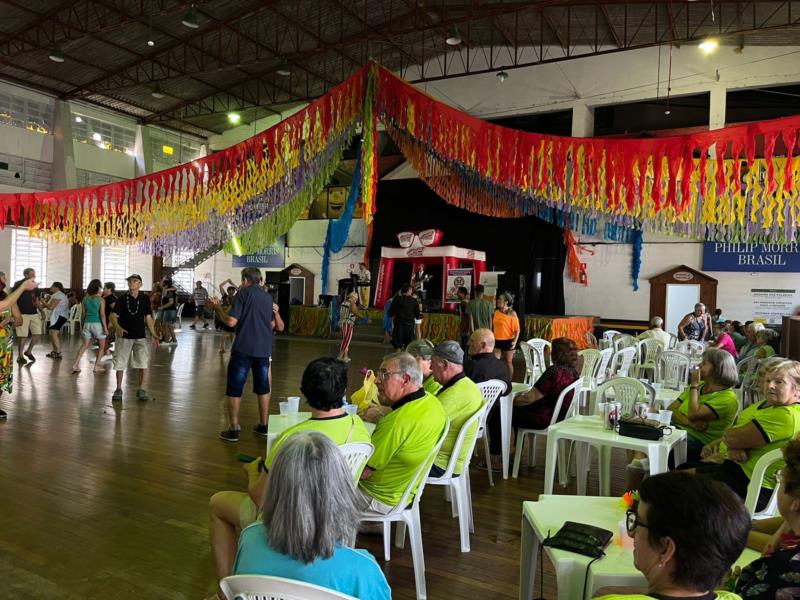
(582, 121)
(716, 112)
(143, 151)
(64, 172)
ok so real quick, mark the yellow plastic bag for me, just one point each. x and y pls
(367, 395)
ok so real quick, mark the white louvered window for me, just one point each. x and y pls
(174, 148)
(105, 135)
(28, 252)
(114, 263)
(26, 113)
(87, 265)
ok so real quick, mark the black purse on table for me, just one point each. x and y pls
(580, 538)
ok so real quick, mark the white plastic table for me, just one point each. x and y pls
(506, 412)
(589, 431)
(277, 424)
(615, 569)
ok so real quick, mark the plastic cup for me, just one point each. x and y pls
(657, 387)
(651, 416)
(351, 409)
(284, 407)
(294, 404)
(665, 417)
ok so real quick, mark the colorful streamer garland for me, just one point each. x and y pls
(707, 185)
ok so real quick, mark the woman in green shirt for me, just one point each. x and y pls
(708, 406)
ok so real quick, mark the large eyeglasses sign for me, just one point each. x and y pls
(419, 239)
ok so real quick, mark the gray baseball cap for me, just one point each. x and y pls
(450, 351)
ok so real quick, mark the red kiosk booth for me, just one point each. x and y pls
(421, 249)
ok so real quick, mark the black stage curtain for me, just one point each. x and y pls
(526, 246)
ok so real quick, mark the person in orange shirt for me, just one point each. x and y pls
(506, 330)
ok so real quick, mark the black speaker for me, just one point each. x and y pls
(515, 284)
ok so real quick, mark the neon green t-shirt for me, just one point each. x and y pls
(721, 595)
(723, 403)
(460, 401)
(402, 440)
(341, 429)
(778, 425)
(430, 385)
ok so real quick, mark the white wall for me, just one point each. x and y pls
(610, 291)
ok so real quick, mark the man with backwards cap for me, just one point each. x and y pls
(132, 315)
(460, 399)
(422, 351)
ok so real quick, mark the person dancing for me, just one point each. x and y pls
(95, 326)
(10, 317)
(348, 313)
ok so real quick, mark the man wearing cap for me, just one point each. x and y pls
(404, 438)
(482, 365)
(422, 351)
(460, 399)
(132, 314)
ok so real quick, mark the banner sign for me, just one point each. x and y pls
(271, 257)
(457, 278)
(769, 305)
(722, 256)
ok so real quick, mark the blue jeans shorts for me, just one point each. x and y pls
(238, 366)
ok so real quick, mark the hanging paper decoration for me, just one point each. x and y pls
(369, 170)
(636, 260)
(339, 229)
(577, 268)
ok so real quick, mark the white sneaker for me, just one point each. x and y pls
(639, 464)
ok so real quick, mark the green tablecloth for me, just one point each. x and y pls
(310, 321)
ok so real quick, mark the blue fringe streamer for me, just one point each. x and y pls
(636, 261)
(339, 229)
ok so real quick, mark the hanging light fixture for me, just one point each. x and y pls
(453, 37)
(190, 20)
(234, 117)
(56, 55)
(708, 45)
(157, 93)
(502, 76)
(283, 69)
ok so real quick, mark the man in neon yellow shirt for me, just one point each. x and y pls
(404, 438)
(422, 351)
(460, 399)
(324, 385)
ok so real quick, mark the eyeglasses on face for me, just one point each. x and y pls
(632, 521)
(384, 375)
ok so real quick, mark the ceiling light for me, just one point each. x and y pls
(129, 152)
(97, 137)
(78, 120)
(190, 20)
(667, 112)
(56, 56)
(151, 43)
(709, 45)
(234, 117)
(502, 76)
(283, 69)
(453, 37)
(157, 93)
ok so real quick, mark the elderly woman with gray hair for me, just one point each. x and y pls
(310, 522)
(696, 325)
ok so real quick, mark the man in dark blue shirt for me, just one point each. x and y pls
(252, 315)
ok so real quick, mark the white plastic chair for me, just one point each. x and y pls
(530, 366)
(491, 391)
(541, 357)
(672, 369)
(757, 480)
(648, 351)
(602, 366)
(622, 360)
(178, 320)
(591, 359)
(74, 318)
(265, 587)
(624, 340)
(673, 341)
(356, 455)
(408, 516)
(626, 390)
(591, 340)
(460, 489)
(574, 388)
(608, 334)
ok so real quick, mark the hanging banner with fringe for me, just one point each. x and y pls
(708, 185)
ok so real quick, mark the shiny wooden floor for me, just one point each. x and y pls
(110, 501)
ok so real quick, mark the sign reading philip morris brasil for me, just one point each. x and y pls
(751, 257)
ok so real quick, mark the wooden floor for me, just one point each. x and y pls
(110, 501)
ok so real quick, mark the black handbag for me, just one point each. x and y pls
(641, 429)
(581, 539)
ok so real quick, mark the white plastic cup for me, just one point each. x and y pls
(656, 387)
(651, 416)
(294, 404)
(351, 409)
(284, 407)
(665, 417)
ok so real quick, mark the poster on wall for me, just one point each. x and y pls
(271, 257)
(457, 278)
(769, 305)
(752, 258)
